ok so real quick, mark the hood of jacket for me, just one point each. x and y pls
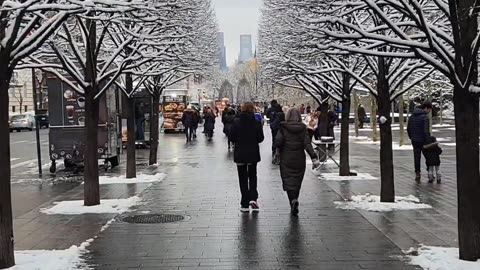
(294, 127)
(418, 111)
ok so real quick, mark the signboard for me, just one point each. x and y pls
(73, 107)
(173, 108)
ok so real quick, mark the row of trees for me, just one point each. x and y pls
(387, 47)
(93, 47)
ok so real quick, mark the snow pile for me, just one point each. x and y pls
(116, 206)
(360, 138)
(440, 258)
(397, 146)
(372, 203)
(142, 178)
(68, 259)
(336, 177)
(442, 126)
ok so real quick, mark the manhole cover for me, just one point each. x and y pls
(153, 218)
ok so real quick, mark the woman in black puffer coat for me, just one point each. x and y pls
(293, 140)
(246, 133)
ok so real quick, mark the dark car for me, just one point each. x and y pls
(43, 120)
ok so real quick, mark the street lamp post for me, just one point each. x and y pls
(37, 125)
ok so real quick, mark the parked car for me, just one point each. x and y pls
(21, 122)
(43, 120)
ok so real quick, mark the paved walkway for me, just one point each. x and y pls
(202, 184)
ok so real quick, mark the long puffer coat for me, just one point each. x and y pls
(293, 140)
(418, 126)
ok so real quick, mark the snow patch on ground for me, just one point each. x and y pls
(142, 178)
(440, 258)
(68, 259)
(395, 145)
(447, 139)
(104, 227)
(442, 126)
(115, 206)
(360, 138)
(372, 203)
(337, 177)
(450, 144)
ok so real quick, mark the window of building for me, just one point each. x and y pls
(26, 108)
(13, 108)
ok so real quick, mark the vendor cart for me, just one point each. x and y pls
(67, 126)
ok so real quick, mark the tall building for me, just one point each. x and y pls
(223, 51)
(245, 48)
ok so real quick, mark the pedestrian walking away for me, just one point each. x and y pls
(228, 117)
(276, 116)
(209, 123)
(418, 131)
(432, 152)
(292, 141)
(362, 116)
(247, 133)
(189, 121)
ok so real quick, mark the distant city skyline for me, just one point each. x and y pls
(222, 57)
(235, 18)
(246, 52)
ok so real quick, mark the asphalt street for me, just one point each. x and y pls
(23, 151)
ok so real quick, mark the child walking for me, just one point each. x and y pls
(432, 152)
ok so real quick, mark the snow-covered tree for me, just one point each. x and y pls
(24, 26)
(444, 34)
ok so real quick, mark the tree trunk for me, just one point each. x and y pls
(154, 129)
(401, 119)
(131, 148)
(373, 119)
(355, 108)
(91, 185)
(387, 193)
(323, 131)
(6, 220)
(468, 176)
(466, 108)
(344, 139)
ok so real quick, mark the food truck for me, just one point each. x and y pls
(67, 124)
(174, 102)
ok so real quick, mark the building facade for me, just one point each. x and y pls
(223, 51)
(21, 92)
(246, 52)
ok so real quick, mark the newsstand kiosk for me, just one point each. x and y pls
(67, 124)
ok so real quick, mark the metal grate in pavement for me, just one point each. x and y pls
(152, 218)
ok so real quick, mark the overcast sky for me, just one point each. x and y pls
(237, 17)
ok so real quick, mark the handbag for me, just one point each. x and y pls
(276, 157)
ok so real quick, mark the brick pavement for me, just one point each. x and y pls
(202, 184)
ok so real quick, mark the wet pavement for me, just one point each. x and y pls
(202, 185)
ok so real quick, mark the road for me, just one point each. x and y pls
(23, 151)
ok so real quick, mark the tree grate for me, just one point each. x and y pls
(153, 218)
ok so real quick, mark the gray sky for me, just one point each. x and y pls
(236, 17)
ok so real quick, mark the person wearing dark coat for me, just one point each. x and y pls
(362, 116)
(247, 133)
(228, 117)
(209, 123)
(432, 152)
(276, 116)
(418, 130)
(196, 121)
(293, 140)
(188, 121)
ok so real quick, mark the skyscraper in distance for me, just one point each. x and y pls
(245, 48)
(222, 54)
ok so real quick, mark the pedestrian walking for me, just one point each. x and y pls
(196, 122)
(362, 116)
(312, 122)
(309, 109)
(188, 121)
(432, 152)
(292, 141)
(228, 117)
(209, 123)
(302, 109)
(247, 133)
(276, 116)
(418, 131)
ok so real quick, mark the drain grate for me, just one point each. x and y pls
(153, 218)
